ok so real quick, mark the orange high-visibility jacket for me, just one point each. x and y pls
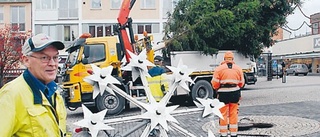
(225, 75)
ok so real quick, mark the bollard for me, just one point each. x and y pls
(284, 78)
(284, 72)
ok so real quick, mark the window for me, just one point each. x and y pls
(115, 4)
(148, 4)
(315, 28)
(1, 14)
(67, 33)
(108, 30)
(92, 31)
(46, 4)
(18, 17)
(101, 30)
(70, 32)
(96, 53)
(68, 9)
(143, 27)
(150, 28)
(51, 30)
(96, 4)
(59, 32)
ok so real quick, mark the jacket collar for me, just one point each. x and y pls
(37, 86)
(225, 62)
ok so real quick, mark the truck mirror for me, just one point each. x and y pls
(86, 51)
(85, 61)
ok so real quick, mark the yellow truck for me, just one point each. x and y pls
(105, 51)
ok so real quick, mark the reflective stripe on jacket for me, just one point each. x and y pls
(25, 112)
(225, 75)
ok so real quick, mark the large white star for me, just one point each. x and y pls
(181, 74)
(100, 80)
(138, 64)
(93, 121)
(210, 106)
(158, 113)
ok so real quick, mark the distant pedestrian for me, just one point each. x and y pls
(227, 81)
(30, 105)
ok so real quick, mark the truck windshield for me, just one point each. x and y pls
(94, 53)
(72, 58)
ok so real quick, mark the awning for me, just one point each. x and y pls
(306, 55)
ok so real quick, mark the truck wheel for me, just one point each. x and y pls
(114, 103)
(202, 89)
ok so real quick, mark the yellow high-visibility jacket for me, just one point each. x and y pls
(27, 113)
(158, 86)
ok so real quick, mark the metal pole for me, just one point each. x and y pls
(269, 67)
(284, 73)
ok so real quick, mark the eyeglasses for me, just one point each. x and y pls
(46, 59)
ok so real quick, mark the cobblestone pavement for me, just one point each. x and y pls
(292, 108)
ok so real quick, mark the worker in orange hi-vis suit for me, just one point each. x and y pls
(227, 80)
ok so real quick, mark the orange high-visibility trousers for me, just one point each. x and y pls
(230, 121)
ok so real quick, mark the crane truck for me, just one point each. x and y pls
(111, 50)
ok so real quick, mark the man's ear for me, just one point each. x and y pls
(25, 61)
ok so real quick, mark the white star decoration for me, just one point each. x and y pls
(210, 106)
(93, 121)
(138, 64)
(100, 80)
(156, 113)
(181, 75)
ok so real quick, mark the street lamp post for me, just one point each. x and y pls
(269, 66)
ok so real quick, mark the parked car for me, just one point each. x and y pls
(296, 69)
(277, 70)
(62, 60)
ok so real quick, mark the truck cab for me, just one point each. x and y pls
(102, 52)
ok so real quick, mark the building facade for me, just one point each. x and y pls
(315, 23)
(16, 12)
(65, 20)
(304, 50)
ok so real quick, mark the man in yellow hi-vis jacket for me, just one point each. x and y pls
(227, 80)
(30, 105)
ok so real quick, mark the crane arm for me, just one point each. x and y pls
(125, 22)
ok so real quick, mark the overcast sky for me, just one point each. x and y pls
(295, 20)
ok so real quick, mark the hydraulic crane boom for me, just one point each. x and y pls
(126, 22)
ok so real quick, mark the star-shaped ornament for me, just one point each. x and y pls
(158, 113)
(181, 74)
(210, 106)
(138, 64)
(100, 80)
(93, 121)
